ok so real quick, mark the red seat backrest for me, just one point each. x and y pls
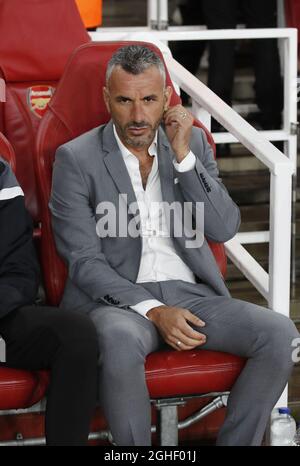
(292, 15)
(36, 40)
(7, 152)
(76, 107)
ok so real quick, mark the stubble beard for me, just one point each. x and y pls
(138, 142)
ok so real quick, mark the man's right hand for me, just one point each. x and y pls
(172, 323)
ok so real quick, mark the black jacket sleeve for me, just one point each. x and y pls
(19, 271)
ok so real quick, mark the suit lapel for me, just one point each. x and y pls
(166, 168)
(201, 261)
(116, 166)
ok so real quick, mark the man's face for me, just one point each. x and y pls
(136, 104)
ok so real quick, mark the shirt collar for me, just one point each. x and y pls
(126, 152)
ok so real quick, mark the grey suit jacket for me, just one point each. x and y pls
(89, 170)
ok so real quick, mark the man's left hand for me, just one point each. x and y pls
(178, 125)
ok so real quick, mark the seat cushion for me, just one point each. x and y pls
(168, 374)
(175, 373)
(20, 388)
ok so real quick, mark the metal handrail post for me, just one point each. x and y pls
(201, 114)
(163, 20)
(290, 126)
(280, 248)
(280, 244)
(152, 14)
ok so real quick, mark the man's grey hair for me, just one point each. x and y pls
(135, 59)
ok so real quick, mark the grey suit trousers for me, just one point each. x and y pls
(234, 326)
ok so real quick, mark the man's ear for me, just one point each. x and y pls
(168, 95)
(106, 98)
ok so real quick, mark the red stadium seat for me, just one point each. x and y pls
(67, 117)
(292, 15)
(36, 40)
(19, 389)
(7, 152)
(77, 107)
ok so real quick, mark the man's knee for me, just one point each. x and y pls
(281, 334)
(282, 329)
(122, 336)
(123, 347)
(76, 335)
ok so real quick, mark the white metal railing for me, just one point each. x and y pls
(281, 169)
(287, 35)
(158, 26)
(157, 13)
(275, 285)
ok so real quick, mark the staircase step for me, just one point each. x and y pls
(260, 252)
(243, 86)
(233, 274)
(240, 164)
(115, 14)
(253, 187)
(244, 290)
(294, 391)
(240, 160)
(256, 217)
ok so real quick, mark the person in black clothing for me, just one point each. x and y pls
(189, 52)
(268, 82)
(39, 337)
(220, 14)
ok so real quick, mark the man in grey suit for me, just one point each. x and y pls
(143, 285)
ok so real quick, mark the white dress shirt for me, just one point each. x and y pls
(159, 260)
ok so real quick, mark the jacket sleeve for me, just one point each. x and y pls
(19, 270)
(74, 226)
(202, 184)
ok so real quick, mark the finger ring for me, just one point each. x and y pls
(183, 115)
(178, 343)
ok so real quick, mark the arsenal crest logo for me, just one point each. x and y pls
(38, 98)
